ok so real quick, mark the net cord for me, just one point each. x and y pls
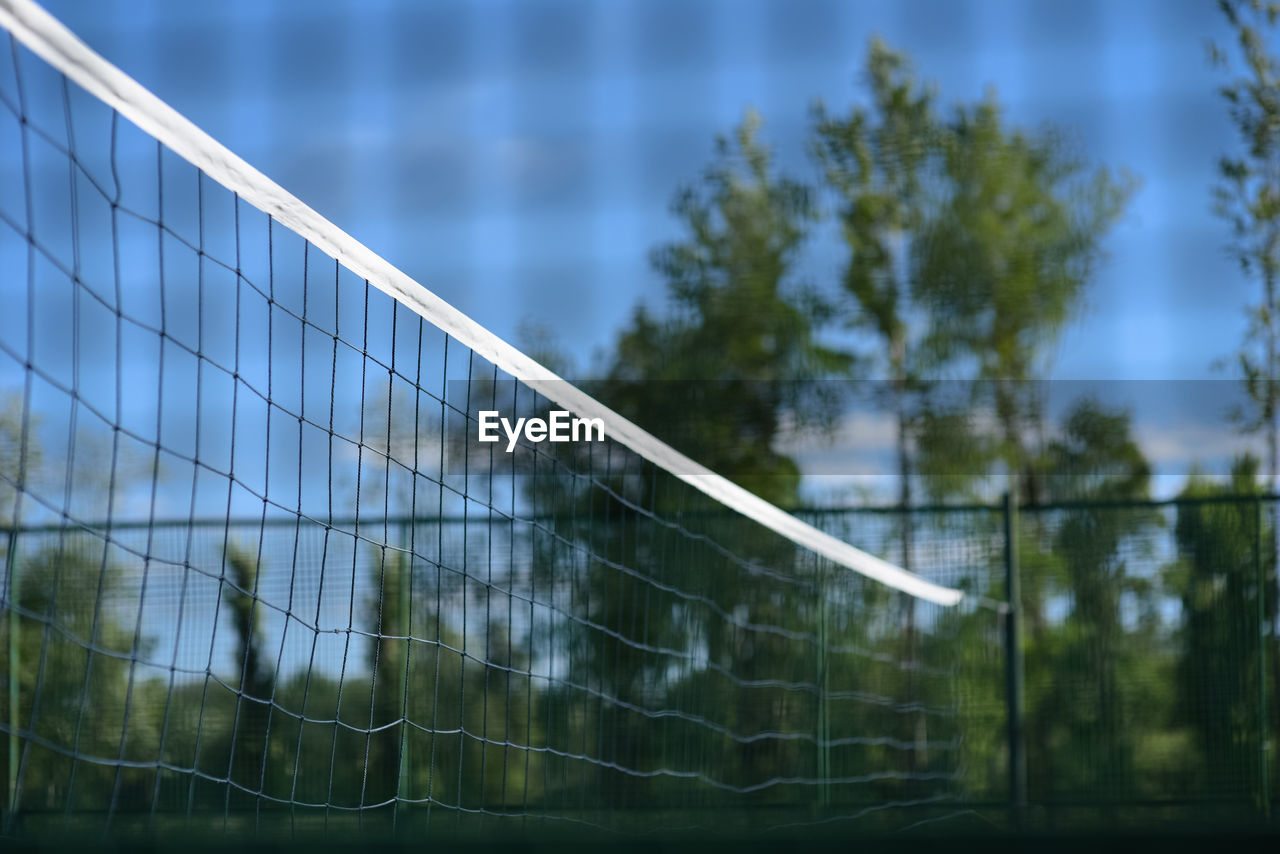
(49, 39)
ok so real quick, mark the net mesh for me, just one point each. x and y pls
(255, 570)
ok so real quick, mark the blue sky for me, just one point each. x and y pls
(519, 158)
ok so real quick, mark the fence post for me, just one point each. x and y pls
(1014, 664)
(1264, 725)
(824, 725)
(15, 672)
(406, 628)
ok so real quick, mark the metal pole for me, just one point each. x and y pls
(1014, 664)
(824, 726)
(1263, 723)
(405, 559)
(15, 672)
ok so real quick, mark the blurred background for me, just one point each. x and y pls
(521, 160)
(988, 289)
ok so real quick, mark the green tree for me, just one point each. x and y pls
(741, 334)
(1248, 197)
(1090, 703)
(70, 695)
(68, 645)
(882, 162)
(734, 360)
(1006, 263)
(1222, 572)
(737, 357)
(390, 656)
(255, 682)
(879, 163)
(1004, 266)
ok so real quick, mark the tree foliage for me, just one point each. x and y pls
(738, 357)
(1007, 262)
(1248, 198)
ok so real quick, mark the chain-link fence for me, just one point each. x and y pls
(1147, 679)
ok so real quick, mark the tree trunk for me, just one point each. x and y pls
(917, 726)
